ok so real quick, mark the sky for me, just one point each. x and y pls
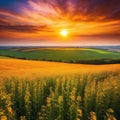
(39, 22)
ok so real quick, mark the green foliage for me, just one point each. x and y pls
(79, 97)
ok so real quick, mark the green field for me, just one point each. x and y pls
(3, 57)
(75, 55)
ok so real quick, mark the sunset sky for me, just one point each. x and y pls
(39, 22)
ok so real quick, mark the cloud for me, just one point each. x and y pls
(23, 28)
(80, 17)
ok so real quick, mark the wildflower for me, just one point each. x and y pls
(78, 98)
(109, 115)
(110, 111)
(60, 99)
(1, 112)
(77, 118)
(43, 108)
(72, 97)
(22, 118)
(48, 100)
(9, 109)
(92, 116)
(73, 91)
(79, 111)
(3, 118)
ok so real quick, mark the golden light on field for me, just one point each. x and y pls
(29, 68)
(64, 33)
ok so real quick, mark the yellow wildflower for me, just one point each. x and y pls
(72, 97)
(3, 118)
(78, 98)
(79, 111)
(60, 99)
(48, 100)
(9, 109)
(22, 118)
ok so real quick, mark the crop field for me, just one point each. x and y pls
(28, 68)
(79, 97)
(45, 90)
(70, 55)
(41, 90)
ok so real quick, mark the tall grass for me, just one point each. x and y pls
(78, 97)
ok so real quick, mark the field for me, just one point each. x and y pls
(88, 97)
(44, 90)
(27, 68)
(38, 90)
(70, 55)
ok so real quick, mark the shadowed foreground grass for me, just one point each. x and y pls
(75, 97)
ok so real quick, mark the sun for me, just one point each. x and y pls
(64, 33)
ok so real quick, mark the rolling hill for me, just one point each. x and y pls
(69, 55)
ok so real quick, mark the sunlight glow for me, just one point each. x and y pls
(64, 33)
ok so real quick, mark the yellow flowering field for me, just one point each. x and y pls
(37, 90)
(26, 68)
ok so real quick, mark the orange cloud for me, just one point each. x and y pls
(44, 19)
